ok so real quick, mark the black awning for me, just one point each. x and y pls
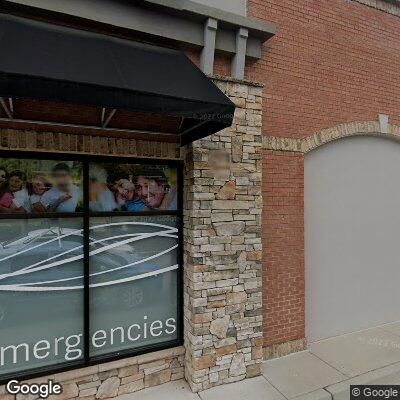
(42, 61)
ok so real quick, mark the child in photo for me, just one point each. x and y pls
(126, 196)
(18, 192)
(6, 197)
(38, 187)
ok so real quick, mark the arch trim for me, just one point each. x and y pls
(317, 139)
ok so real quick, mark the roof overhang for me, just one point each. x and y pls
(178, 21)
(46, 62)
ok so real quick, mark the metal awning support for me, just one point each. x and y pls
(8, 108)
(11, 104)
(103, 114)
(109, 117)
(106, 120)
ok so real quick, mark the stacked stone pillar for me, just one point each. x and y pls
(222, 250)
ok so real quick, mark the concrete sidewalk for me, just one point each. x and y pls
(324, 372)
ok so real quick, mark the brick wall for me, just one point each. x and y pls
(283, 250)
(331, 62)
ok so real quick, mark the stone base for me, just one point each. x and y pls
(283, 349)
(115, 378)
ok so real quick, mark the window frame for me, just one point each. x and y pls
(86, 159)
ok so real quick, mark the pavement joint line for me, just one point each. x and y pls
(329, 365)
(312, 391)
(327, 391)
(372, 370)
(315, 390)
(274, 386)
(326, 388)
(387, 331)
(346, 377)
(330, 394)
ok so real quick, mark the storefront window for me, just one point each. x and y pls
(41, 293)
(89, 261)
(133, 279)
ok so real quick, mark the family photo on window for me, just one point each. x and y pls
(47, 186)
(132, 187)
(40, 186)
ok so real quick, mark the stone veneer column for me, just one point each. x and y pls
(222, 251)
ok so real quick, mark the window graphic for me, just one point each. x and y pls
(123, 256)
(133, 266)
(132, 187)
(41, 296)
(40, 186)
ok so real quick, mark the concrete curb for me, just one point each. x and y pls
(320, 394)
(389, 375)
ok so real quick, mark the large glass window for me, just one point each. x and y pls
(41, 293)
(133, 280)
(89, 261)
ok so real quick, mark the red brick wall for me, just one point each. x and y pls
(331, 62)
(283, 247)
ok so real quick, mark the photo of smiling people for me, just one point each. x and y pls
(40, 186)
(132, 187)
